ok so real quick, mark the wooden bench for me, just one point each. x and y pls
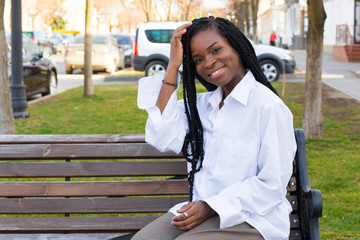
(63, 185)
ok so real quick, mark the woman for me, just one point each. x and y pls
(238, 138)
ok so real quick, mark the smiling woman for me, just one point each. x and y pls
(230, 137)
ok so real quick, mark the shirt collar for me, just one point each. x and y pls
(240, 93)
(242, 90)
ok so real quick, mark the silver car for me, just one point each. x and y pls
(105, 54)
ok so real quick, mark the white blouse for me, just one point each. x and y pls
(249, 149)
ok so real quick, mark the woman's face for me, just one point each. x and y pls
(216, 60)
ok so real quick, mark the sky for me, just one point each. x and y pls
(214, 3)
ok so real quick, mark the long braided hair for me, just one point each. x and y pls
(193, 148)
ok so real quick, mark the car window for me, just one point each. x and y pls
(99, 40)
(29, 48)
(123, 40)
(95, 39)
(159, 35)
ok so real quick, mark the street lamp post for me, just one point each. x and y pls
(17, 87)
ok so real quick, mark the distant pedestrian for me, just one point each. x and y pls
(273, 38)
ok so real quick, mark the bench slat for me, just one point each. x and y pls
(92, 169)
(72, 138)
(89, 205)
(105, 188)
(95, 205)
(76, 224)
(73, 224)
(81, 151)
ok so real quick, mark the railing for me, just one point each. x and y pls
(344, 35)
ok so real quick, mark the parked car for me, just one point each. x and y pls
(274, 60)
(56, 38)
(152, 50)
(105, 53)
(124, 42)
(152, 46)
(39, 73)
(40, 38)
(67, 38)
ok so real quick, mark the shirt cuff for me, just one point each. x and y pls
(228, 215)
(149, 89)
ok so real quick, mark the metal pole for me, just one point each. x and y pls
(17, 87)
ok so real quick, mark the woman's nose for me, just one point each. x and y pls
(209, 62)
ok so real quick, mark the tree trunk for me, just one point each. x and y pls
(254, 11)
(88, 83)
(6, 113)
(247, 18)
(313, 119)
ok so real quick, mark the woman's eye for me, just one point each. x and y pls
(198, 60)
(216, 50)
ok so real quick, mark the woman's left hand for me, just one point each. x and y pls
(196, 213)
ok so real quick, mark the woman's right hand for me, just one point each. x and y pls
(176, 49)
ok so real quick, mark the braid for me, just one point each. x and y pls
(193, 148)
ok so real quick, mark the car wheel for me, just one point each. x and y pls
(271, 70)
(155, 67)
(69, 69)
(52, 88)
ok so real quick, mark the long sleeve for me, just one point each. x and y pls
(163, 131)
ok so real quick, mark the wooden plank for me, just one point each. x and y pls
(92, 169)
(293, 201)
(295, 234)
(294, 221)
(73, 224)
(59, 236)
(91, 188)
(72, 138)
(88, 205)
(81, 151)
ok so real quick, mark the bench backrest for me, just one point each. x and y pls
(92, 183)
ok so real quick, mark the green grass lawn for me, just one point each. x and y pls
(333, 161)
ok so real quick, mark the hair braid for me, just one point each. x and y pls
(193, 148)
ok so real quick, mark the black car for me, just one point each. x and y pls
(39, 73)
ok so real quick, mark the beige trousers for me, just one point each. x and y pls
(161, 229)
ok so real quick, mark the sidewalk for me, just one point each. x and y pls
(342, 76)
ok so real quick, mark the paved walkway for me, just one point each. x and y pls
(343, 76)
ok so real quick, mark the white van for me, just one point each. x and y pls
(152, 46)
(152, 51)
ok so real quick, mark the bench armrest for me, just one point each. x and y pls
(310, 200)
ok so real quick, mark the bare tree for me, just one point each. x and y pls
(88, 83)
(237, 8)
(43, 10)
(246, 16)
(185, 8)
(166, 6)
(6, 113)
(254, 12)
(313, 119)
(146, 7)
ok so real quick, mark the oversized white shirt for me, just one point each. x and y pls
(249, 148)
